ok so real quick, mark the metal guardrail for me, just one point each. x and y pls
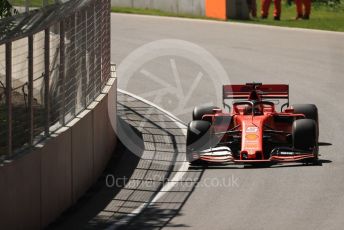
(53, 63)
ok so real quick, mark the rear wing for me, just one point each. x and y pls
(270, 91)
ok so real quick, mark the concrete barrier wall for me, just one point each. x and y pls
(37, 187)
(190, 7)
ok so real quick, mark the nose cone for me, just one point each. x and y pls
(251, 142)
(251, 155)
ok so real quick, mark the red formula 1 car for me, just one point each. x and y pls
(253, 131)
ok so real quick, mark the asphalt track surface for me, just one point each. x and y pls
(291, 197)
(218, 197)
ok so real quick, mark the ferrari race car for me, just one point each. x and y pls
(253, 131)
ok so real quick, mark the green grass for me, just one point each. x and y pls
(129, 10)
(322, 17)
(33, 3)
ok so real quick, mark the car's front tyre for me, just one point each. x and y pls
(305, 137)
(197, 139)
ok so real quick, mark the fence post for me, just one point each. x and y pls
(83, 35)
(9, 95)
(72, 76)
(45, 3)
(91, 47)
(62, 71)
(30, 88)
(99, 28)
(27, 6)
(108, 42)
(46, 80)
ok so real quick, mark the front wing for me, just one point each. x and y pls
(279, 155)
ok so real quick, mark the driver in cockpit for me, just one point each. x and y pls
(257, 109)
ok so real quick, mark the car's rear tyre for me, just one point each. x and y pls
(200, 111)
(197, 139)
(304, 135)
(309, 110)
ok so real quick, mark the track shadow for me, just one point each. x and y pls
(325, 144)
(166, 161)
(159, 214)
(142, 177)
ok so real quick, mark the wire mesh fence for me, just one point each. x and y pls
(53, 63)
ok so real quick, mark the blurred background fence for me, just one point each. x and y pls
(53, 63)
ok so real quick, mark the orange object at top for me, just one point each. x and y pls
(216, 9)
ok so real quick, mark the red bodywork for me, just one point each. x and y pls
(259, 129)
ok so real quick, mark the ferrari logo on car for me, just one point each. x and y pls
(251, 137)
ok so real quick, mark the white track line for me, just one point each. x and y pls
(179, 122)
(170, 183)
